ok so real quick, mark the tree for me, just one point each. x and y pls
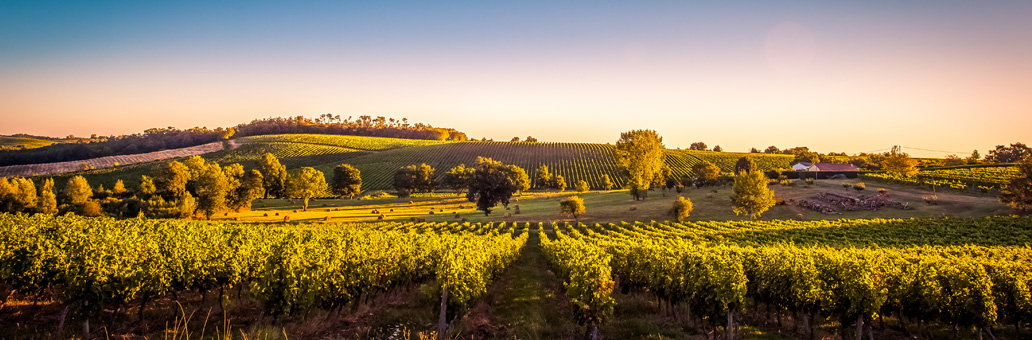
(606, 182)
(772, 150)
(17, 194)
(171, 179)
(515, 139)
(531, 139)
(212, 189)
(754, 150)
(147, 187)
(804, 155)
(640, 157)
(954, 160)
(1018, 193)
(744, 164)
(250, 188)
(581, 186)
(457, 178)
(306, 183)
(705, 173)
(77, 191)
(572, 206)
(682, 208)
(347, 181)
(119, 188)
(490, 184)
(543, 177)
(750, 194)
(975, 158)
(718, 148)
(1012, 154)
(519, 178)
(558, 183)
(46, 201)
(414, 178)
(899, 163)
(700, 146)
(274, 175)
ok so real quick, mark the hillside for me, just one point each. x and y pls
(378, 158)
(11, 142)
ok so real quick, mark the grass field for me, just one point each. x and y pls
(22, 142)
(617, 205)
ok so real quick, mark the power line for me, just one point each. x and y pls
(953, 152)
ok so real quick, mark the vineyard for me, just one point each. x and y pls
(717, 275)
(9, 142)
(90, 265)
(982, 178)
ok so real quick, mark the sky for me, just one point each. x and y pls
(935, 77)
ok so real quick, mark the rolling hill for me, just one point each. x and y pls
(11, 142)
(378, 158)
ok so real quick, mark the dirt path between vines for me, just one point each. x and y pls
(526, 302)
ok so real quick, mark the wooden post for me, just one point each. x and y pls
(442, 319)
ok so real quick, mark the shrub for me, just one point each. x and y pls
(809, 181)
(859, 186)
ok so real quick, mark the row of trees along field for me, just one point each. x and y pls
(171, 138)
(93, 264)
(927, 282)
(1002, 154)
(177, 190)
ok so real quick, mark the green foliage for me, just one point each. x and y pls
(706, 173)
(17, 194)
(250, 189)
(682, 208)
(543, 177)
(1018, 193)
(586, 274)
(573, 206)
(347, 181)
(751, 195)
(457, 178)
(46, 201)
(212, 189)
(899, 164)
(518, 177)
(274, 175)
(558, 183)
(606, 182)
(414, 179)
(490, 183)
(306, 183)
(147, 187)
(77, 191)
(581, 186)
(171, 179)
(640, 156)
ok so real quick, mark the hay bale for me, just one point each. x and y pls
(286, 218)
(277, 214)
(265, 215)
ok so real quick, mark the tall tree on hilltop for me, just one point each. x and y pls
(699, 146)
(347, 181)
(640, 156)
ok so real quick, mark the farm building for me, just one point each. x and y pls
(823, 167)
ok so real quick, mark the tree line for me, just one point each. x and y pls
(157, 139)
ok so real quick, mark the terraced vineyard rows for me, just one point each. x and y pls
(950, 272)
(984, 178)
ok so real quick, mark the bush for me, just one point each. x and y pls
(682, 208)
(859, 186)
(931, 200)
(845, 185)
(809, 181)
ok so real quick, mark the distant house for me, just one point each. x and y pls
(831, 167)
(802, 166)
